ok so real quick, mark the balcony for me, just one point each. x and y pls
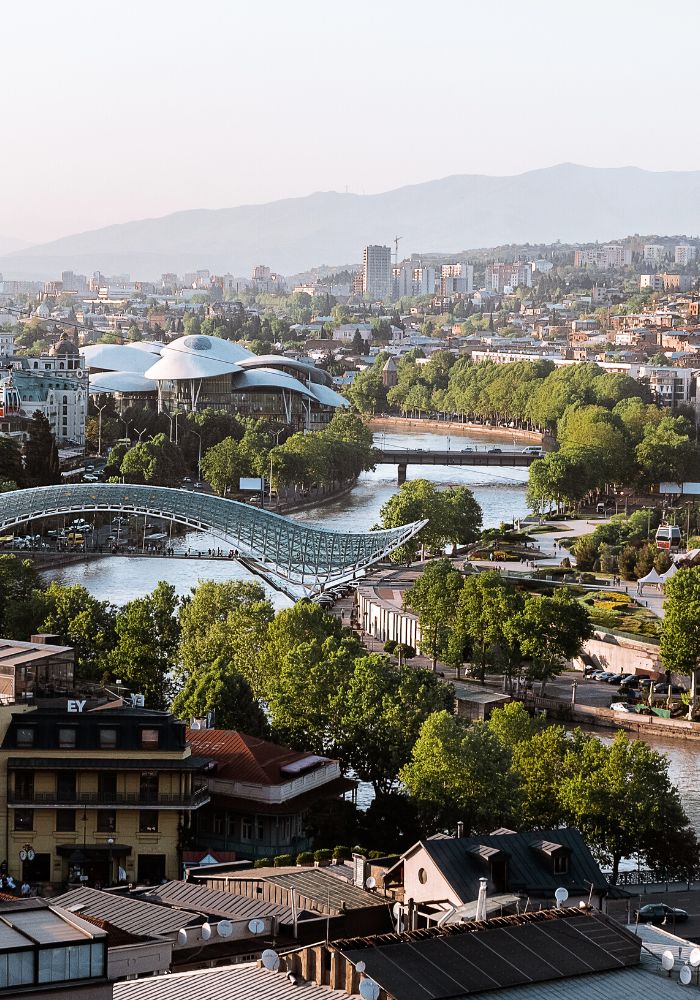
(48, 800)
(278, 794)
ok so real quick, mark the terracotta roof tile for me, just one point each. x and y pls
(243, 758)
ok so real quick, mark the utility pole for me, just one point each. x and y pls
(396, 250)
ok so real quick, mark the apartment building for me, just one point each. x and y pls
(654, 253)
(376, 272)
(95, 792)
(684, 254)
(503, 277)
(665, 282)
(605, 257)
(457, 279)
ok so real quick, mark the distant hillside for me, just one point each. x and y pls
(565, 202)
(9, 244)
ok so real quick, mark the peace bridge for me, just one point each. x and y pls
(297, 558)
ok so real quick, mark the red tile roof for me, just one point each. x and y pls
(243, 758)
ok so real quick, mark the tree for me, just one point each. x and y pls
(486, 605)
(11, 470)
(434, 598)
(19, 582)
(147, 641)
(225, 622)
(451, 515)
(358, 344)
(158, 462)
(550, 631)
(41, 453)
(221, 690)
(81, 621)
(680, 628)
(380, 710)
(465, 516)
(461, 772)
(666, 452)
(223, 465)
(623, 801)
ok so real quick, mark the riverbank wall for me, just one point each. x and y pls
(388, 423)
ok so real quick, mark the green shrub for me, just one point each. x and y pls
(305, 858)
(376, 854)
(390, 646)
(282, 860)
(262, 863)
(325, 854)
(342, 852)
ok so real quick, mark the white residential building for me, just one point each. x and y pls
(457, 279)
(654, 253)
(653, 281)
(376, 272)
(605, 257)
(685, 253)
(541, 266)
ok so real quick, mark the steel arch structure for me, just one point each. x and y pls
(298, 556)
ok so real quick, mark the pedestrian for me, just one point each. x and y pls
(26, 888)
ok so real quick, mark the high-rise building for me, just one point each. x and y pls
(499, 277)
(376, 272)
(605, 257)
(457, 279)
(685, 253)
(654, 253)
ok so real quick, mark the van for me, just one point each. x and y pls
(534, 449)
(75, 538)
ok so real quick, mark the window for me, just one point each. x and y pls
(25, 736)
(16, 968)
(67, 738)
(561, 864)
(247, 828)
(106, 786)
(65, 820)
(108, 738)
(259, 829)
(218, 821)
(24, 786)
(149, 739)
(422, 876)
(106, 821)
(148, 821)
(148, 788)
(65, 786)
(24, 819)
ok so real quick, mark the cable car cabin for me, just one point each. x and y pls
(668, 536)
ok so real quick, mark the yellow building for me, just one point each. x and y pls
(96, 793)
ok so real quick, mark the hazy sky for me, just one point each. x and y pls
(118, 111)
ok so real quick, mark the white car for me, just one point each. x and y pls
(622, 706)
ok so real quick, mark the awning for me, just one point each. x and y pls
(65, 850)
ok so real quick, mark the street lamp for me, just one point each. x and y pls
(140, 433)
(110, 843)
(99, 426)
(127, 424)
(199, 453)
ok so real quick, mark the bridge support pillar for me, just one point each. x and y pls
(402, 473)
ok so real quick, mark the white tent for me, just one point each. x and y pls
(651, 579)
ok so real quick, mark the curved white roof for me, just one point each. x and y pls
(198, 345)
(268, 378)
(121, 382)
(280, 361)
(197, 356)
(326, 396)
(152, 346)
(116, 358)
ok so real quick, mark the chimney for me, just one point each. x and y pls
(460, 829)
(481, 900)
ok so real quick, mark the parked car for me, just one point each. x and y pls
(495, 451)
(659, 913)
(662, 688)
(604, 675)
(630, 681)
(621, 706)
(614, 678)
(90, 477)
(597, 674)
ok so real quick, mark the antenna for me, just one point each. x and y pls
(224, 928)
(667, 960)
(396, 250)
(369, 990)
(371, 882)
(270, 959)
(256, 926)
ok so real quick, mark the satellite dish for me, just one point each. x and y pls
(206, 930)
(369, 990)
(667, 960)
(270, 959)
(561, 895)
(694, 958)
(371, 882)
(397, 910)
(182, 936)
(360, 967)
(686, 975)
(224, 928)
(255, 926)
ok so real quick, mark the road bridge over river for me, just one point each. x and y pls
(510, 458)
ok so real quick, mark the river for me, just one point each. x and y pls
(501, 494)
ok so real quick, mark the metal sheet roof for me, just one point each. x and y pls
(233, 982)
(619, 985)
(116, 358)
(453, 962)
(129, 914)
(216, 903)
(318, 885)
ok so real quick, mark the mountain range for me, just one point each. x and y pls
(567, 202)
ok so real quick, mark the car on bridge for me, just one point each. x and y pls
(660, 913)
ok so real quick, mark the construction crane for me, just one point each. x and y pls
(396, 250)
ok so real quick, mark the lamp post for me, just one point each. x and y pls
(199, 453)
(110, 843)
(140, 433)
(127, 425)
(99, 426)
